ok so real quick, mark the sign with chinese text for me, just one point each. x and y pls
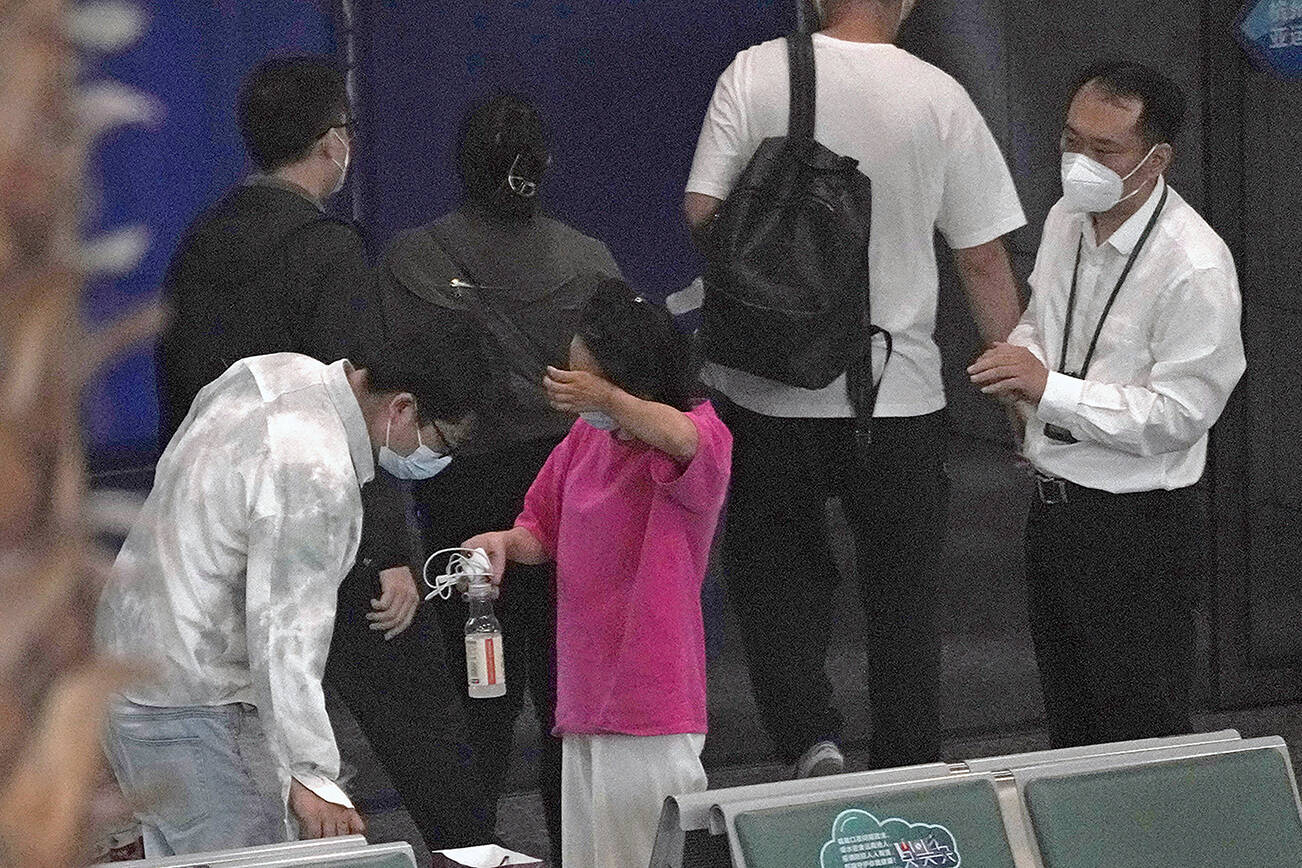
(860, 840)
(945, 824)
(1271, 33)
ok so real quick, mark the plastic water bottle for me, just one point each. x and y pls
(485, 665)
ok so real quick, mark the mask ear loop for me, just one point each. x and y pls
(463, 564)
(1140, 164)
(1132, 172)
(388, 426)
(348, 152)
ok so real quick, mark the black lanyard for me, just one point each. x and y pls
(1075, 276)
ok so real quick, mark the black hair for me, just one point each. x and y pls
(503, 136)
(286, 104)
(449, 375)
(637, 346)
(1163, 102)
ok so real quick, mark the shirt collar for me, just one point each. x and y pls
(1127, 235)
(335, 378)
(281, 184)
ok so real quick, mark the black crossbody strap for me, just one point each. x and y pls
(486, 314)
(863, 386)
(800, 59)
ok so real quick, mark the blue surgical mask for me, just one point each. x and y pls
(599, 420)
(422, 463)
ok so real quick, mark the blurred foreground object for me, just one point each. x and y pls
(52, 685)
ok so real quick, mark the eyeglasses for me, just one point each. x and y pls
(447, 441)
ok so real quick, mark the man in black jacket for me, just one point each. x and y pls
(265, 269)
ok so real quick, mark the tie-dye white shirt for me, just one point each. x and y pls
(226, 583)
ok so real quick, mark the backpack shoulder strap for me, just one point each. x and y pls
(800, 60)
(506, 329)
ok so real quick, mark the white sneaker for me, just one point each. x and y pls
(823, 758)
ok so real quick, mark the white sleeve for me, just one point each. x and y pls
(979, 202)
(1027, 332)
(296, 560)
(724, 147)
(1198, 358)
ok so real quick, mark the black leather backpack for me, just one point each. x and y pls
(786, 284)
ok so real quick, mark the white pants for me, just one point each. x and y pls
(612, 789)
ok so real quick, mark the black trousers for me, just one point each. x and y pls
(404, 698)
(781, 577)
(480, 493)
(1112, 588)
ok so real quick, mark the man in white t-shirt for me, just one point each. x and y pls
(933, 165)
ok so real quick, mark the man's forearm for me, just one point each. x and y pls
(699, 210)
(987, 277)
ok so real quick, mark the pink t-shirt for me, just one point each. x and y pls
(630, 530)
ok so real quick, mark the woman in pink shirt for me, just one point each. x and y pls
(626, 505)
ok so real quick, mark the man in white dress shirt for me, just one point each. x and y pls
(1124, 359)
(226, 588)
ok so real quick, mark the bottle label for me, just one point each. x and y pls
(484, 664)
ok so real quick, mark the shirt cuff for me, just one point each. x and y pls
(1023, 335)
(324, 788)
(1062, 395)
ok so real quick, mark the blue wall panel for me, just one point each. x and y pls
(191, 59)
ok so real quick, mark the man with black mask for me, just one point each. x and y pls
(525, 277)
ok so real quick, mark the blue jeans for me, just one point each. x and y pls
(203, 776)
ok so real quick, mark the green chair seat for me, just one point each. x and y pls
(938, 826)
(1230, 810)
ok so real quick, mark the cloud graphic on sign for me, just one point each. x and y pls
(855, 822)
